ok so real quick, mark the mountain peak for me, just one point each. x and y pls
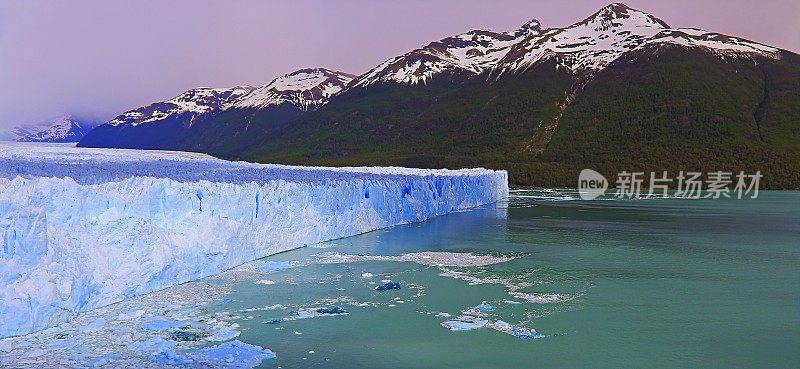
(532, 26)
(469, 53)
(308, 78)
(305, 88)
(621, 14)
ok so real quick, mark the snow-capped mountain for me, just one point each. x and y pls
(64, 128)
(202, 118)
(192, 103)
(306, 89)
(584, 47)
(472, 53)
(595, 42)
(535, 100)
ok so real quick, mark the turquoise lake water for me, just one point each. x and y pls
(659, 283)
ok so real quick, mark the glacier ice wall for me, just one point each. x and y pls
(84, 228)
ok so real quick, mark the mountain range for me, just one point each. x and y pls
(65, 128)
(619, 90)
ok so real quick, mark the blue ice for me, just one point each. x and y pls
(66, 214)
(484, 307)
(388, 285)
(274, 266)
(233, 354)
(525, 333)
(459, 325)
(331, 310)
(163, 324)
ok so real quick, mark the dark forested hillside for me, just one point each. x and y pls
(664, 108)
(618, 91)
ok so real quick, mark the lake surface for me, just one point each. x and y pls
(660, 283)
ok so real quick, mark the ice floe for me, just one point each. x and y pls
(429, 258)
(388, 285)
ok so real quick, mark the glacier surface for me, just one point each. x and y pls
(84, 228)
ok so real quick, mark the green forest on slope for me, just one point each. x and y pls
(671, 109)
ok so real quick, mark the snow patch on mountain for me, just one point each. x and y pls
(584, 47)
(190, 104)
(306, 89)
(471, 52)
(714, 42)
(592, 44)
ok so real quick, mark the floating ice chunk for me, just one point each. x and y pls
(525, 333)
(163, 324)
(538, 298)
(94, 326)
(388, 285)
(152, 345)
(264, 281)
(183, 335)
(484, 307)
(443, 315)
(322, 311)
(331, 310)
(264, 308)
(130, 315)
(274, 266)
(428, 258)
(233, 354)
(273, 321)
(103, 360)
(502, 326)
(169, 357)
(465, 325)
(515, 330)
(367, 275)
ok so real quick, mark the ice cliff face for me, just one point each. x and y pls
(83, 228)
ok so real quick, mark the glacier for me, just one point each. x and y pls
(84, 228)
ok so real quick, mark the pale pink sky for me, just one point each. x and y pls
(97, 58)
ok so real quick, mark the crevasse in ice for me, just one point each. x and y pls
(83, 228)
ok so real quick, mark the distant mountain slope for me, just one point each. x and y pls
(467, 54)
(185, 107)
(181, 123)
(64, 128)
(619, 90)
